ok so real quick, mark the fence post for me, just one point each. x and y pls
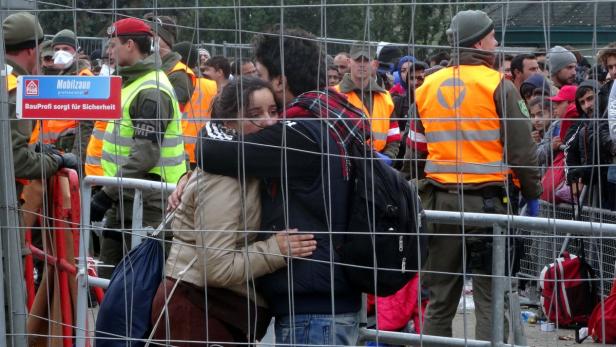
(10, 240)
(514, 305)
(498, 285)
(137, 223)
(4, 118)
(82, 267)
(2, 310)
(224, 48)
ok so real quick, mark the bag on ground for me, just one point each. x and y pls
(568, 294)
(604, 314)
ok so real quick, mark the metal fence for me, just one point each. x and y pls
(87, 44)
(541, 247)
(138, 232)
(537, 250)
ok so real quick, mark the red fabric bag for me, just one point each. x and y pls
(568, 294)
(554, 184)
(395, 311)
(607, 313)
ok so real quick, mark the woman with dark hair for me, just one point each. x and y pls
(208, 294)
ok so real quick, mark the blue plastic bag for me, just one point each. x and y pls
(127, 305)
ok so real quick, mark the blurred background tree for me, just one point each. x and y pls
(235, 21)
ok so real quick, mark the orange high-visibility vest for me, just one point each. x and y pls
(52, 130)
(193, 79)
(94, 152)
(11, 82)
(85, 72)
(382, 107)
(196, 113)
(462, 127)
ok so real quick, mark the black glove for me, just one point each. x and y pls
(99, 205)
(47, 149)
(67, 160)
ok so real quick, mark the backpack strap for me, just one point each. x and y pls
(581, 251)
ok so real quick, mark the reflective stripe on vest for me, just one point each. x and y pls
(94, 152)
(49, 131)
(118, 140)
(382, 107)
(197, 113)
(456, 107)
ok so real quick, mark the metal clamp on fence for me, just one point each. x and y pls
(83, 279)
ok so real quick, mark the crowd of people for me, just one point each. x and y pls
(474, 129)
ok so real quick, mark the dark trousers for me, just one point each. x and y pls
(449, 256)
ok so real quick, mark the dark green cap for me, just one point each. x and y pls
(164, 26)
(189, 53)
(469, 27)
(361, 49)
(20, 28)
(65, 37)
(46, 49)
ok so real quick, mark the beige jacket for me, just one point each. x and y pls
(209, 229)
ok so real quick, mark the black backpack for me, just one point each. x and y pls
(384, 226)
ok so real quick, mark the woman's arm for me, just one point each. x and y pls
(226, 258)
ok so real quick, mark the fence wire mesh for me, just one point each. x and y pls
(540, 248)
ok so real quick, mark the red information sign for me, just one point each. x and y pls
(69, 97)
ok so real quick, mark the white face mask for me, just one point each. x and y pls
(63, 58)
(106, 70)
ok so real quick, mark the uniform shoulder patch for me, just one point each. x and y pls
(523, 108)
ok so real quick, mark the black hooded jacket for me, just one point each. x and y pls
(588, 143)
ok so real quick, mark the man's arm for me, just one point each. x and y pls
(82, 138)
(281, 150)
(392, 146)
(416, 147)
(545, 151)
(28, 164)
(607, 146)
(520, 149)
(572, 157)
(150, 119)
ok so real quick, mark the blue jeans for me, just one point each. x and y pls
(318, 329)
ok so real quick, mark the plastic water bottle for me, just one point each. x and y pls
(526, 315)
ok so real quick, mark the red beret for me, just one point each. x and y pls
(129, 26)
